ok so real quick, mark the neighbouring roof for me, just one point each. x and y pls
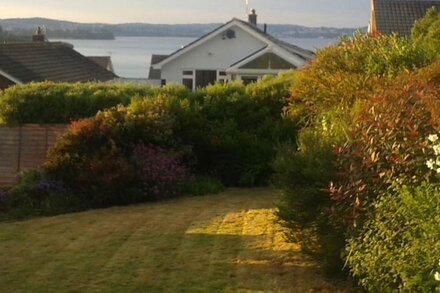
(58, 62)
(103, 61)
(290, 48)
(156, 73)
(399, 16)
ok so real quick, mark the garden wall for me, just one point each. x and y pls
(24, 147)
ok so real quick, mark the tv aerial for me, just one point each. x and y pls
(247, 7)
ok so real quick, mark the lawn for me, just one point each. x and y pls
(220, 243)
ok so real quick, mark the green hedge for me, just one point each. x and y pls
(399, 248)
(49, 102)
(224, 134)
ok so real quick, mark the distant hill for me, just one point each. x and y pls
(56, 28)
(74, 30)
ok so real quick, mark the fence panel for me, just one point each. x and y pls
(24, 147)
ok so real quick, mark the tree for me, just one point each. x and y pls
(426, 31)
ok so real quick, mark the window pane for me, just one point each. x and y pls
(187, 72)
(205, 77)
(249, 79)
(188, 82)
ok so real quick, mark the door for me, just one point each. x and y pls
(205, 77)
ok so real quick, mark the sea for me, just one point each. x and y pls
(131, 56)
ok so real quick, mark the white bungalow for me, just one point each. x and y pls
(238, 50)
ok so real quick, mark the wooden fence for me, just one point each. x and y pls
(24, 147)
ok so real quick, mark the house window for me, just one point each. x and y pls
(188, 82)
(222, 76)
(205, 77)
(188, 79)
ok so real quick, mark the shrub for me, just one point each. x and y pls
(3, 200)
(399, 247)
(201, 185)
(241, 127)
(37, 194)
(426, 31)
(94, 155)
(49, 102)
(389, 143)
(301, 172)
(352, 70)
(160, 172)
(332, 96)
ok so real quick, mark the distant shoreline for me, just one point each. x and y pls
(164, 36)
(83, 31)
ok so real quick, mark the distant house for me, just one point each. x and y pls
(238, 50)
(155, 74)
(103, 61)
(46, 61)
(398, 16)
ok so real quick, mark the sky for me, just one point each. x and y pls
(338, 13)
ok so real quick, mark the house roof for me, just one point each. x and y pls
(40, 61)
(103, 61)
(156, 73)
(399, 16)
(295, 50)
(270, 40)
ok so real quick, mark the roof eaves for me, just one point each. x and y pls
(10, 77)
(250, 56)
(288, 57)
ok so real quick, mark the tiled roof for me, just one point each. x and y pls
(57, 62)
(399, 16)
(156, 73)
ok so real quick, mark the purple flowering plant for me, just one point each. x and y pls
(160, 171)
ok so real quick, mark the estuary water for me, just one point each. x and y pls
(131, 56)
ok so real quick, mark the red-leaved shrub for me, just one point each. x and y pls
(389, 144)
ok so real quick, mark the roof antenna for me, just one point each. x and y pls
(247, 7)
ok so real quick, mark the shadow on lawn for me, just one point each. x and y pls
(231, 263)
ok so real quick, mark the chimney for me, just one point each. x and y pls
(39, 36)
(253, 17)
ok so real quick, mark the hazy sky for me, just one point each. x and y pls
(338, 13)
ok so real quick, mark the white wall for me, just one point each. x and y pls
(215, 54)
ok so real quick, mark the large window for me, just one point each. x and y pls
(205, 77)
(269, 61)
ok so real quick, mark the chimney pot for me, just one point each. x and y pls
(253, 17)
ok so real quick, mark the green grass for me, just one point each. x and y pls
(220, 243)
